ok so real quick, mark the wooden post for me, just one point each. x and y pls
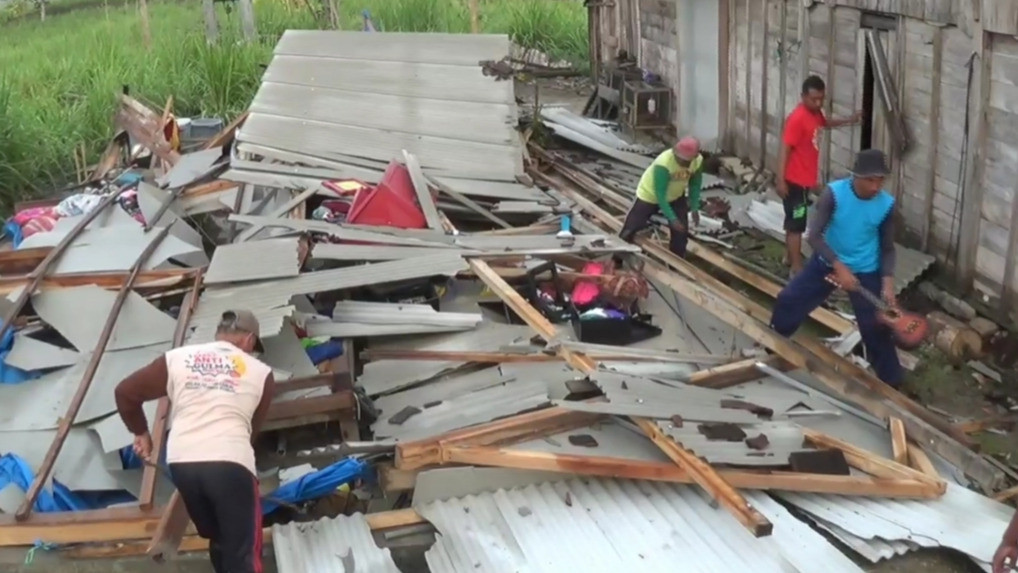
(972, 189)
(475, 17)
(749, 76)
(211, 23)
(247, 20)
(783, 70)
(765, 7)
(146, 28)
(931, 158)
(726, 59)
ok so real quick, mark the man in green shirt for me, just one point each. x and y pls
(672, 186)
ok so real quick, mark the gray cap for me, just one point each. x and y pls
(244, 320)
(870, 163)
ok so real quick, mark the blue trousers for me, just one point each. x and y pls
(809, 288)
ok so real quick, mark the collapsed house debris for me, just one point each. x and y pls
(417, 316)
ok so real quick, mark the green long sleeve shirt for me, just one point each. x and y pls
(661, 180)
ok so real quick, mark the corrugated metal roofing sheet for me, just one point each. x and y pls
(961, 519)
(79, 314)
(617, 525)
(438, 416)
(316, 115)
(338, 545)
(32, 354)
(387, 376)
(349, 233)
(345, 252)
(397, 313)
(783, 439)
(254, 260)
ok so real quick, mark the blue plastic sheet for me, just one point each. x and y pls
(13, 230)
(316, 484)
(10, 374)
(15, 470)
(325, 351)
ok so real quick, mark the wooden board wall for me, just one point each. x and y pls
(995, 253)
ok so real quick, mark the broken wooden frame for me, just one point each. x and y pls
(42, 476)
(840, 375)
(701, 472)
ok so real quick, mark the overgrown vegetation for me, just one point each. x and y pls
(59, 78)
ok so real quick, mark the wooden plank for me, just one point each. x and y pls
(918, 459)
(107, 280)
(226, 136)
(625, 468)
(300, 407)
(899, 442)
(707, 478)
(934, 141)
(965, 265)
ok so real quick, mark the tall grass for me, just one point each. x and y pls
(59, 78)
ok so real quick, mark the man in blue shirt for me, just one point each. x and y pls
(852, 236)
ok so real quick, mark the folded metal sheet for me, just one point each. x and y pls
(254, 260)
(79, 315)
(29, 354)
(469, 409)
(445, 156)
(404, 47)
(345, 252)
(387, 376)
(114, 248)
(617, 525)
(320, 110)
(332, 545)
(603, 132)
(356, 329)
(428, 80)
(566, 132)
(270, 300)
(431, 117)
(961, 519)
(397, 313)
(192, 167)
(381, 235)
(783, 439)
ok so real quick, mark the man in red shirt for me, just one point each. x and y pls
(799, 162)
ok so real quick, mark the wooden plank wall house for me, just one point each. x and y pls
(949, 69)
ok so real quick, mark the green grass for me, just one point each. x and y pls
(59, 78)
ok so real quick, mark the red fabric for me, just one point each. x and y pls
(585, 292)
(802, 135)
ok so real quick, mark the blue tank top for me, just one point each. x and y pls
(853, 232)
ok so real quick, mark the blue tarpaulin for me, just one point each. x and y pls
(316, 484)
(10, 374)
(15, 470)
(325, 351)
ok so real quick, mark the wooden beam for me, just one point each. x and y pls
(106, 280)
(299, 407)
(521, 428)
(735, 373)
(706, 477)
(918, 459)
(625, 468)
(934, 143)
(971, 190)
(869, 462)
(225, 137)
(899, 442)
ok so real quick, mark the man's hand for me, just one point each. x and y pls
(696, 218)
(846, 280)
(677, 225)
(781, 186)
(143, 446)
(887, 292)
(1006, 557)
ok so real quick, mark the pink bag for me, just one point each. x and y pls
(586, 292)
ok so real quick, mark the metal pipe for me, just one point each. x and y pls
(149, 475)
(25, 509)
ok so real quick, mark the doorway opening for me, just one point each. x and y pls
(869, 91)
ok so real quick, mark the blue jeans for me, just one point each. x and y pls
(809, 288)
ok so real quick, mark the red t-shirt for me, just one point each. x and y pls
(802, 135)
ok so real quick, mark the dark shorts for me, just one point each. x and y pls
(796, 204)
